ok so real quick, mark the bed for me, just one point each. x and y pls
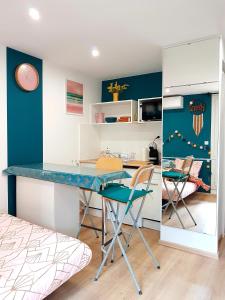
(190, 186)
(35, 261)
(189, 189)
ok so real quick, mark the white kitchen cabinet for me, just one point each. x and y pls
(191, 63)
(153, 204)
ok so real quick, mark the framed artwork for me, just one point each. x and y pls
(74, 97)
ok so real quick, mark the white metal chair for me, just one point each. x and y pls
(126, 196)
(178, 177)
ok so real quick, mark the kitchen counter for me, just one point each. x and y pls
(130, 164)
(83, 177)
(48, 194)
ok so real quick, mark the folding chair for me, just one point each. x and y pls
(126, 196)
(178, 176)
(103, 163)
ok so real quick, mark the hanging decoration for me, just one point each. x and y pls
(197, 109)
(179, 135)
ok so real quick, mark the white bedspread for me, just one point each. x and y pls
(189, 188)
(35, 261)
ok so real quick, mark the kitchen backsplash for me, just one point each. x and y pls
(129, 139)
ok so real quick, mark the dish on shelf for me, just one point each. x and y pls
(124, 119)
(110, 119)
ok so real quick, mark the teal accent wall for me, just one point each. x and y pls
(140, 86)
(24, 120)
(182, 120)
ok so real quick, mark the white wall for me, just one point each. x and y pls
(61, 130)
(221, 182)
(128, 138)
(3, 131)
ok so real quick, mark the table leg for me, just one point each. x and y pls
(103, 227)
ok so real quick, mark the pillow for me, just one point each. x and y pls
(179, 163)
(195, 169)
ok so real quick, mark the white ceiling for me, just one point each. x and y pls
(128, 33)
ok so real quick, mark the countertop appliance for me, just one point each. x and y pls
(153, 152)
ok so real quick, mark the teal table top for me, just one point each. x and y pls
(85, 177)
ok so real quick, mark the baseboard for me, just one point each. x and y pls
(188, 249)
(205, 196)
(151, 224)
(221, 244)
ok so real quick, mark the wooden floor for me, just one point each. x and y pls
(203, 209)
(182, 275)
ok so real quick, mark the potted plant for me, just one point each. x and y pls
(115, 89)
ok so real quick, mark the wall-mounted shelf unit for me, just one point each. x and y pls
(125, 108)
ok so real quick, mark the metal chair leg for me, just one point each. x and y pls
(182, 199)
(177, 200)
(155, 261)
(116, 237)
(107, 251)
(82, 220)
(169, 196)
(135, 223)
(116, 216)
(189, 212)
(116, 219)
(104, 228)
(172, 211)
(86, 209)
(90, 217)
(173, 206)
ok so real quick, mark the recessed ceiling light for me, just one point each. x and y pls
(34, 14)
(95, 52)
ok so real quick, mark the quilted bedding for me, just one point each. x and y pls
(189, 189)
(35, 261)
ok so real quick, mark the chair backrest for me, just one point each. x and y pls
(186, 167)
(142, 175)
(109, 163)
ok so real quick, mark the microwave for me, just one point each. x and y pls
(150, 109)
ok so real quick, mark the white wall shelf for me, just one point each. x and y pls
(113, 123)
(115, 109)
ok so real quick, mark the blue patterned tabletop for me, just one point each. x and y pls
(85, 177)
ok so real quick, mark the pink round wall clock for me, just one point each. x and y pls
(27, 77)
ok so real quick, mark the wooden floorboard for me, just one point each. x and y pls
(203, 211)
(182, 275)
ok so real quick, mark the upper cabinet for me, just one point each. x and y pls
(194, 63)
